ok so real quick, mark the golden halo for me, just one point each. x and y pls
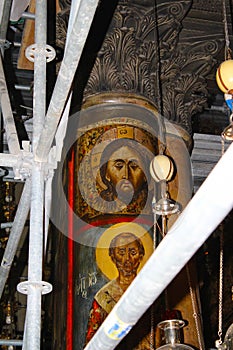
(103, 259)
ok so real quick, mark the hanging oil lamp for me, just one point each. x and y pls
(171, 335)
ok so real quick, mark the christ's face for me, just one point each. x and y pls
(124, 171)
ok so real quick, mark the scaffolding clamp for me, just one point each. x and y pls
(25, 287)
(34, 49)
(22, 170)
(5, 44)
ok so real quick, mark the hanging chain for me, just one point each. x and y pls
(162, 231)
(152, 318)
(220, 292)
(226, 32)
(196, 314)
(223, 146)
(158, 88)
(152, 329)
(162, 147)
(220, 286)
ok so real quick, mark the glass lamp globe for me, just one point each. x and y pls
(161, 168)
(224, 76)
(171, 334)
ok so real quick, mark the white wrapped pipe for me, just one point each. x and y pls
(212, 202)
(84, 14)
(8, 119)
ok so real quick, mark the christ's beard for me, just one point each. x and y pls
(125, 191)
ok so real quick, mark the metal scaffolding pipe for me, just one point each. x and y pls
(61, 130)
(23, 87)
(15, 234)
(28, 15)
(34, 286)
(206, 210)
(5, 7)
(76, 41)
(39, 92)
(8, 160)
(12, 342)
(9, 124)
(32, 331)
(6, 225)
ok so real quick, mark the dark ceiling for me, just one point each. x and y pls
(191, 40)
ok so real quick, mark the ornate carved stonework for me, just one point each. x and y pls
(184, 86)
(145, 52)
(128, 60)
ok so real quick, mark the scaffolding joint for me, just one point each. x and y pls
(26, 160)
(45, 50)
(5, 44)
(26, 287)
(22, 170)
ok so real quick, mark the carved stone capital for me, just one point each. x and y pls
(184, 84)
(149, 52)
(129, 58)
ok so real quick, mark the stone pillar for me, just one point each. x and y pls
(139, 66)
(118, 136)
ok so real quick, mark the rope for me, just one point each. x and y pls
(196, 314)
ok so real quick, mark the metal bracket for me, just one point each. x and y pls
(24, 287)
(33, 49)
(5, 44)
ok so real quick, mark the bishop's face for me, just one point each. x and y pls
(124, 171)
(126, 255)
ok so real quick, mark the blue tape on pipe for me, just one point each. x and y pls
(117, 329)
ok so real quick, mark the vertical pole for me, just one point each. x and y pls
(5, 7)
(33, 318)
(69, 320)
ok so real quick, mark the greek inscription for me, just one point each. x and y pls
(84, 282)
